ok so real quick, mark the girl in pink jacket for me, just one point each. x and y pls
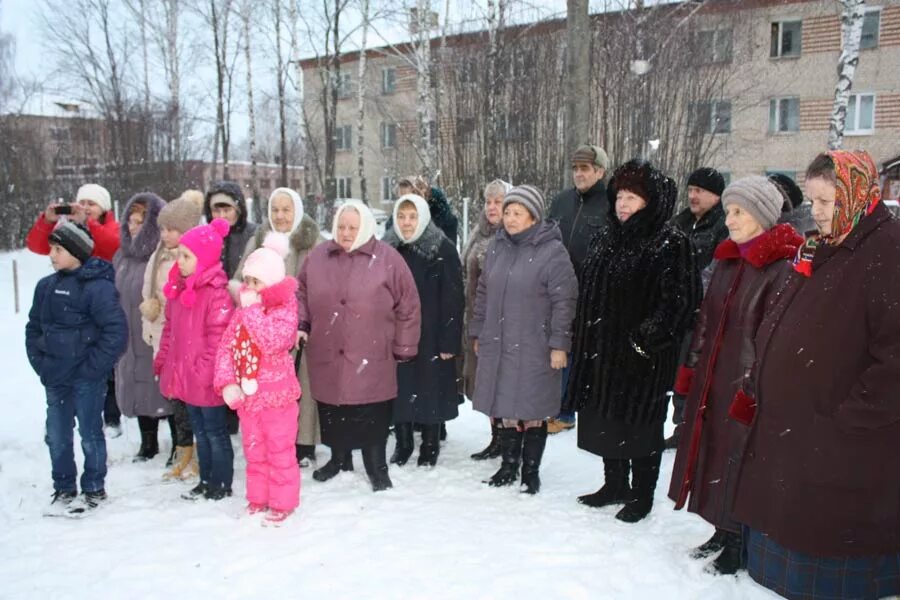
(197, 313)
(256, 375)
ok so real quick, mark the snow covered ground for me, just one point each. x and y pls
(439, 533)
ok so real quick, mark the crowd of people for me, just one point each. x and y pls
(770, 318)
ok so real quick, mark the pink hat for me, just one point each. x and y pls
(267, 263)
(205, 241)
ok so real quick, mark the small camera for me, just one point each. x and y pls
(62, 209)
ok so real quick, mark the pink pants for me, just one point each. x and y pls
(273, 477)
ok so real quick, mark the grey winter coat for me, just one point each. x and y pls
(524, 308)
(137, 392)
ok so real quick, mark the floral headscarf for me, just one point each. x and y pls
(857, 195)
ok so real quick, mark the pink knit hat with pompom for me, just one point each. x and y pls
(205, 242)
(267, 263)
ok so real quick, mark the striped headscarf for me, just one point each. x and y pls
(856, 195)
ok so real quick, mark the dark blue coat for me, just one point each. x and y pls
(76, 328)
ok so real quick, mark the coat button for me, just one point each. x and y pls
(341, 352)
(343, 302)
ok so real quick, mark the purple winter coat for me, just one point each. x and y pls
(524, 307)
(362, 312)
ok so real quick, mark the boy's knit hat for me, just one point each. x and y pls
(205, 242)
(267, 263)
(180, 214)
(75, 238)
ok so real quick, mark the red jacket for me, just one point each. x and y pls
(105, 234)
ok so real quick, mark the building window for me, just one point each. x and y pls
(711, 117)
(784, 115)
(343, 85)
(860, 115)
(388, 135)
(344, 188)
(786, 38)
(343, 137)
(387, 189)
(870, 28)
(388, 80)
(714, 46)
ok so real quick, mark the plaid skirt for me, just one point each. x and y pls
(799, 576)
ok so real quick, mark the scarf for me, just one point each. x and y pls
(856, 195)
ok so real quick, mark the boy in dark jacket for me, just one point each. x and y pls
(76, 332)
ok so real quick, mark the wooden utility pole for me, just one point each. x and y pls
(578, 73)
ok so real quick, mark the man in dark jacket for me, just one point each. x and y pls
(580, 212)
(704, 223)
(225, 200)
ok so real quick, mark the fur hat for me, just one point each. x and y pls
(793, 197)
(594, 155)
(94, 193)
(529, 197)
(424, 216)
(75, 238)
(181, 214)
(267, 263)
(758, 196)
(205, 242)
(708, 179)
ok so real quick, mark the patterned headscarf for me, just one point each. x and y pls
(857, 195)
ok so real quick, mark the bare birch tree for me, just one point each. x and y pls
(851, 33)
(281, 82)
(246, 11)
(361, 90)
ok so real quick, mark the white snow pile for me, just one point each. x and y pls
(440, 533)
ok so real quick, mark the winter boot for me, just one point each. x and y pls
(341, 460)
(217, 493)
(149, 444)
(173, 432)
(493, 449)
(85, 503)
(376, 467)
(511, 450)
(615, 488)
(710, 546)
(644, 473)
(730, 560)
(306, 455)
(672, 441)
(60, 503)
(535, 439)
(431, 445)
(194, 466)
(443, 432)
(403, 447)
(197, 492)
(183, 455)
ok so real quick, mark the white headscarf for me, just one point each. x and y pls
(424, 216)
(366, 223)
(298, 206)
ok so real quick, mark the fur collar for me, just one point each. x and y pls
(428, 245)
(147, 239)
(302, 239)
(278, 294)
(779, 243)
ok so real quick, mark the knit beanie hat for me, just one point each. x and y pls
(789, 189)
(594, 155)
(95, 193)
(529, 197)
(758, 196)
(180, 215)
(709, 179)
(295, 198)
(75, 238)
(205, 242)
(267, 262)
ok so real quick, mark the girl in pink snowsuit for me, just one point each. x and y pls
(255, 374)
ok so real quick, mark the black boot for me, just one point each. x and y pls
(511, 449)
(672, 441)
(535, 439)
(644, 473)
(306, 453)
(431, 445)
(731, 558)
(443, 432)
(710, 546)
(376, 467)
(403, 448)
(341, 460)
(172, 431)
(149, 442)
(493, 449)
(615, 488)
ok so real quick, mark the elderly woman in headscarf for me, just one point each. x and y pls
(286, 216)
(489, 223)
(522, 331)
(427, 385)
(359, 317)
(819, 483)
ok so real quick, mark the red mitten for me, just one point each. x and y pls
(743, 408)
(246, 356)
